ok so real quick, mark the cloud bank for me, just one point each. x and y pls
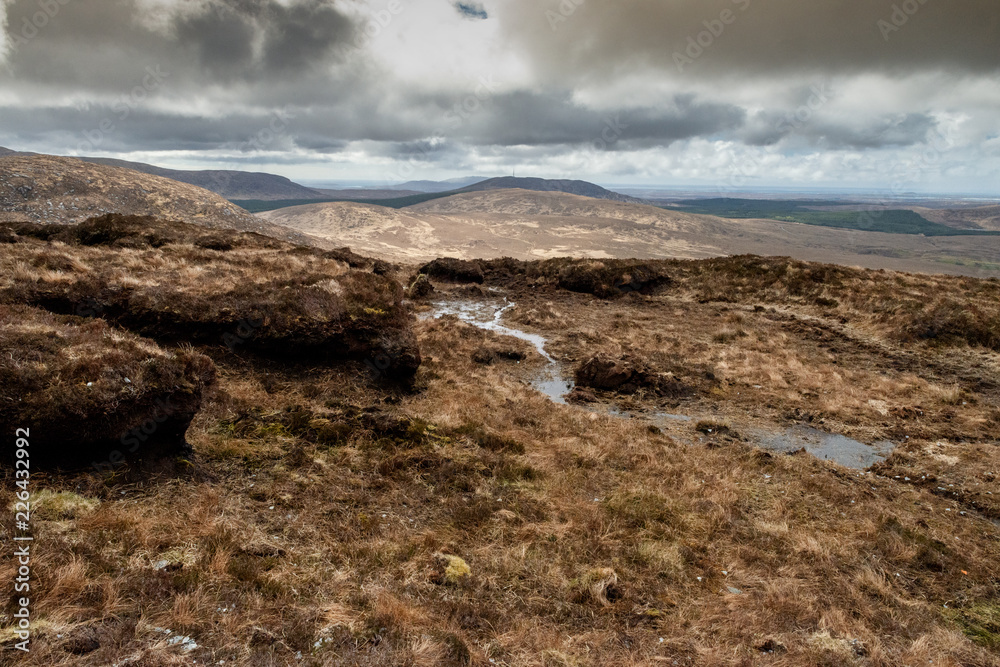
(644, 91)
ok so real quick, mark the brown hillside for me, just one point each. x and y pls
(60, 190)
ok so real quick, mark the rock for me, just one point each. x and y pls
(455, 270)
(421, 288)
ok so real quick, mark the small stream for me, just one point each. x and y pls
(553, 381)
(549, 380)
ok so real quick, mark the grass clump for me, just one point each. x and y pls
(950, 322)
(49, 505)
(451, 569)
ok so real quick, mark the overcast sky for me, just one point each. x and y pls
(892, 97)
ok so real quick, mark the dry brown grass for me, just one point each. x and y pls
(320, 512)
(164, 280)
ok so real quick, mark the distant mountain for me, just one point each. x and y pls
(230, 184)
(582, 188)
(6, 151)
(439, 186)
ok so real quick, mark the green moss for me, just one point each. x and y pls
(454, 569)
(980, 623)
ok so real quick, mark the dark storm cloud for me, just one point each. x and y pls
(377, 80)
(600, 38)
(511, 119)
(472, 10)
(94, 44)
(526, 118)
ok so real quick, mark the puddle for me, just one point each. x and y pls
(826, 446)
(552, 381)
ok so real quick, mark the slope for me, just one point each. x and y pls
(60, 190)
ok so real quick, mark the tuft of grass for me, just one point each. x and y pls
(49, 505)
(598, 586)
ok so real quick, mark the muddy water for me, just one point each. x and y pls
(555, 382)
(827, 446)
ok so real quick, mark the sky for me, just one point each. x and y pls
(891, 97)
